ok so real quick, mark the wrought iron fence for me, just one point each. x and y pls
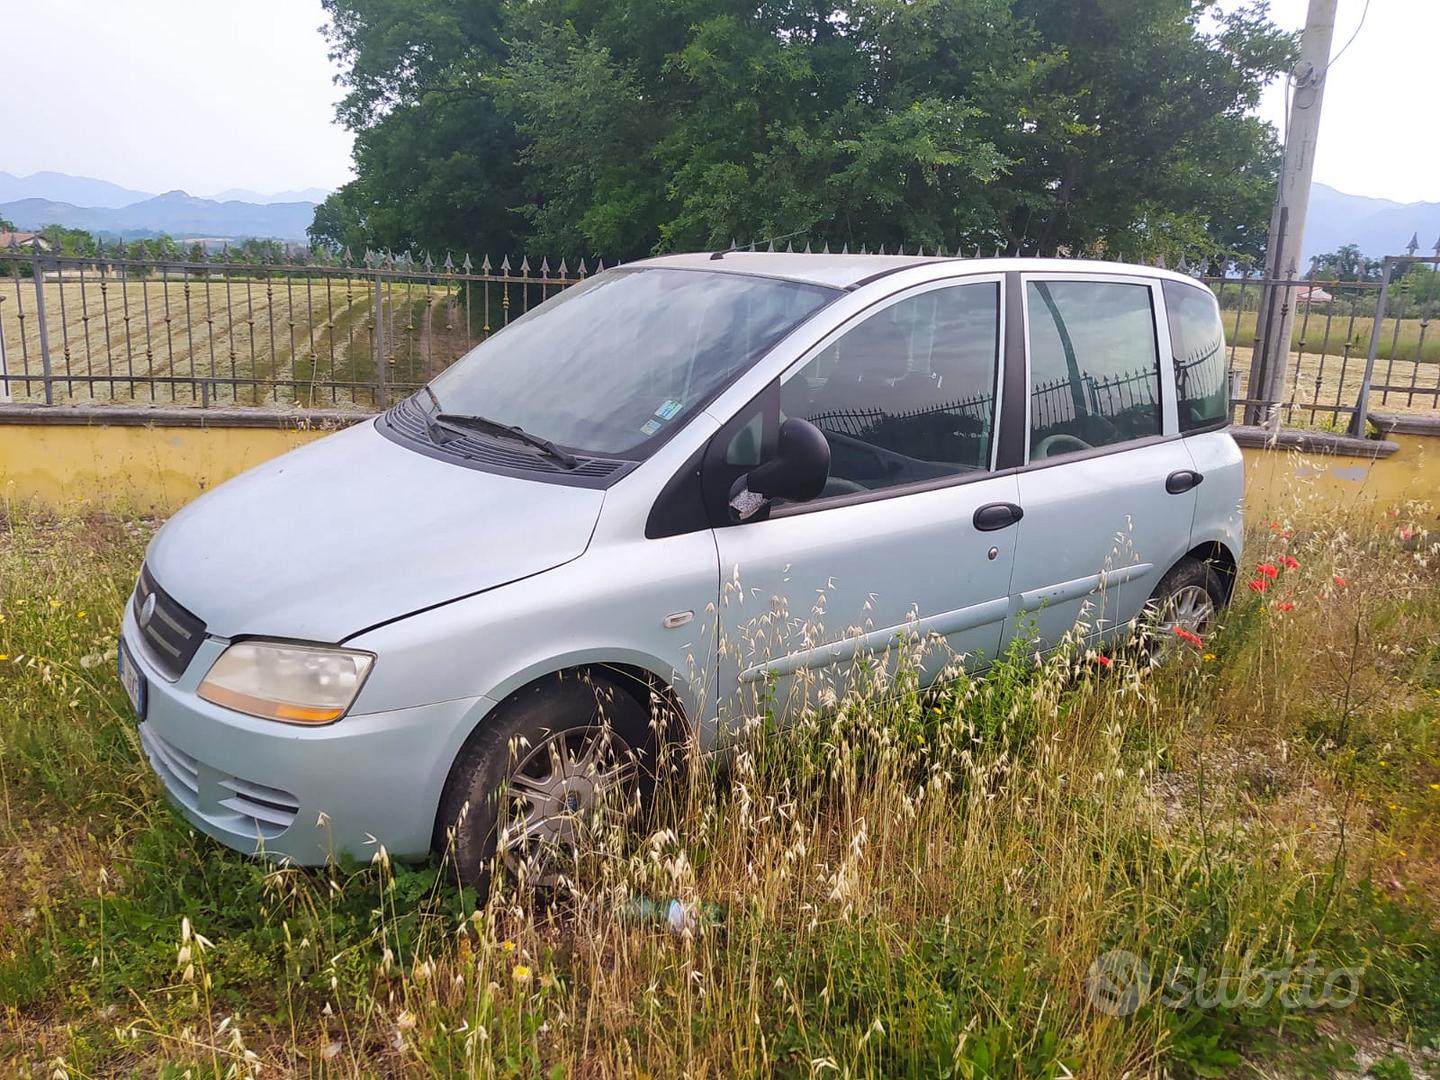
(1355, 345)
(1061, 402)
(859, 423)
(338, 333)
(360, 333)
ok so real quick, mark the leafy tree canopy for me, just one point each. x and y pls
(624, 127)
(1348, 263)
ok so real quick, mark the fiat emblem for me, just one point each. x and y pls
(147, 610)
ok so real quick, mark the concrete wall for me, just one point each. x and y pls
(153, 461)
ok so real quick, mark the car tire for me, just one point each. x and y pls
(1191, 595)
(503, 764)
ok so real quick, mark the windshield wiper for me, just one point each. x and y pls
(439, 433)
(495, 427)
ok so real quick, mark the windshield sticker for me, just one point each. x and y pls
(668, 410)
(649, 427)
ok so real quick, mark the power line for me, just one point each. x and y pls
(1360, 26)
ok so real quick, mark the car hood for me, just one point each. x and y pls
(354, 530)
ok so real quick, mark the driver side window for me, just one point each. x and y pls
(907, 394)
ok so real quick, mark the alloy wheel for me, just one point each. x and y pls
(558, 788)
(1189, 608)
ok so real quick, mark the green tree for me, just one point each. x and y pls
(623, 127)
(66, 241)
(1346, 264)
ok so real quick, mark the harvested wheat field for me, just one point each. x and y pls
(250, 340)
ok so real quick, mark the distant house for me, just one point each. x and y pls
(1312, 294)
(29, 241)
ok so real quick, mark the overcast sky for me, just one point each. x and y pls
(206, 95)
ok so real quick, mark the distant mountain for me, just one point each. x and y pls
(174, 212)
(61, 187)
(309, 194)
(1376, 226)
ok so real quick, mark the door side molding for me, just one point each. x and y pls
(847, 648)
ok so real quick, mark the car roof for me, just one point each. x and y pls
(846, 271)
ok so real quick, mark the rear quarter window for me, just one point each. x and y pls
(1197, 338)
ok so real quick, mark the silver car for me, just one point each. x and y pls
(673, 488)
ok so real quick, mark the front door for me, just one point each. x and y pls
(906, 556)
(1102, 524)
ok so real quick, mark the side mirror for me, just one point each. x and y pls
(797, 472)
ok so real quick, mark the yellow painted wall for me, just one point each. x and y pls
(150, 469)
(156, 469)
(1281, 481)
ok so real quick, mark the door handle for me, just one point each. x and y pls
(1182, 480)
(998, 515)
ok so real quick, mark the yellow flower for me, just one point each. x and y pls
(1384, 764)
(1433, 787)
(80, 614)
(54, 603)
(507, 946)
(1209, 656)
(4, 656)
(520, 973)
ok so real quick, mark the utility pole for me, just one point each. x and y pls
(1287, 222)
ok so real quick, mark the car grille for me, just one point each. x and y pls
(171, 634)
(408, 418)
(239, 806)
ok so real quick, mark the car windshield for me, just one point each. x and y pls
(620, 360)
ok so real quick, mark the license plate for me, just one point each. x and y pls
(132, 680)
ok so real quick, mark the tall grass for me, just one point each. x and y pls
(904, 883)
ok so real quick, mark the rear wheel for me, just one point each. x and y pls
(547, 765)
(1189, 598)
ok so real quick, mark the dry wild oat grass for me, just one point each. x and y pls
(903, 883)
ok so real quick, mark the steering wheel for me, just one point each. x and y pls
(1062, 442)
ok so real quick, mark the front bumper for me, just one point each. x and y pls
(306, 794)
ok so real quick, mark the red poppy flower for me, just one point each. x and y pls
(1289, 562)
(1259, 584)
(1285, 605)
(1340, 581)
(1274, 525)
(1103, 661)
(1186, 635)
(1406, 533)
(1268, 569)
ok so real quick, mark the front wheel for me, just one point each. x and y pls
(544, 767)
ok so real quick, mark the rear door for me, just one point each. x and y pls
(1107, 485)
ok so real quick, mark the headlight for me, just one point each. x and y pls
(301, 684)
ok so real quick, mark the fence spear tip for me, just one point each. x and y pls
(1414, 244)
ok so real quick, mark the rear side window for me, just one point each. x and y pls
(1198, 341)
(1094, 366)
